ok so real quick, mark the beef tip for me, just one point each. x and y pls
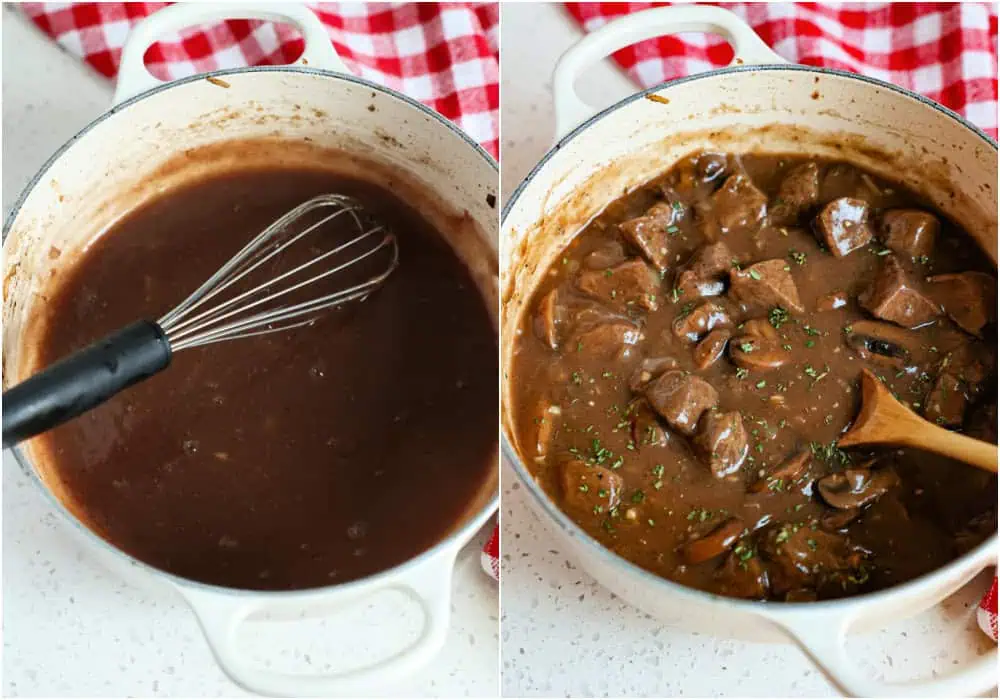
(843, 225)
(969, 298)
(648, 370)
(698, 321)
(832, 301)
(764, 285)
(681, 399)
(736, 207)
(970, 362)
(788, 472)
(797, 194)
(705, 273)
(854, 488)
(632, 283)
(909, 232)
(608, 254)
(646, 428)
(610, 338)
(838, 519)
(743, 574)
(711, 348)
(893, 297)
(722, 442)
(711, 166)
(546, 416)
(756, 352)
(718, 541)
(805, 558)
(651, 232)
(945, 403)
(551, 319)
(590, 489)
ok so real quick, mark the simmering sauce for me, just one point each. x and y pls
(303, 458)
(683, 371)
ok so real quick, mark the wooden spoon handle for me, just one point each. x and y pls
(960, 447)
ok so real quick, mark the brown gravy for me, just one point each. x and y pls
(684, 369)
(300, 459)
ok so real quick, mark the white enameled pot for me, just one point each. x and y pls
(759, 102)
(299, 110)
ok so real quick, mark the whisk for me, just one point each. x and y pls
(229, 305)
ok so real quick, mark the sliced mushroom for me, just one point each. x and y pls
(705, 317)
(853, 488)
(838, 519)
(716, 542)
(791, 470)
(711, 348)
(883, 343)
(722, 442)
(754, 352)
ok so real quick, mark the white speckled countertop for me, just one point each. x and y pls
(73, 629)
(563, 634)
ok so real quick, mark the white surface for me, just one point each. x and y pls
(71, 628)
(562, 634)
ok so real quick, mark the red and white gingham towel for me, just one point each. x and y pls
(946, 51)
(442, 54)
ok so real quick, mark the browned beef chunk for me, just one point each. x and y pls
(649, 369)
(797, 194)
(603, 335)
(945, 403)
(893, 296)
(764, 285)
(722, 442)
(704, 317)
(743, 574)
(551, 318)
(804, 557)
(708, 351)
(705, 273)
(832, 301)
(910, 232)
(843, 225)
(646, 428)
(629, 285)
(681, 399)
(782, 476)
(590, 488)
(651, 232)
(853, 488)
(608, 254)
(969, 298)
(717, 542)
(736, 207)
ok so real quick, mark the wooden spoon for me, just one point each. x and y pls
(884, 420)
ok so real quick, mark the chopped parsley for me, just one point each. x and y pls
(754, 275)
(797, 257)
(778, 316)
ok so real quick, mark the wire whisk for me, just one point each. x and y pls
(233, 303)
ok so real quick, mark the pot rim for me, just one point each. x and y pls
(453, 541)
(769, 609)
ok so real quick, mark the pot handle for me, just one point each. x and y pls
(221, 615)
(133, 78)
(748, 48)
(823, 640)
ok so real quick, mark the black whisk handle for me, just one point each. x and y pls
(83, 380)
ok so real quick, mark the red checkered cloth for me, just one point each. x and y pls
(946, 51)
(443, 54)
